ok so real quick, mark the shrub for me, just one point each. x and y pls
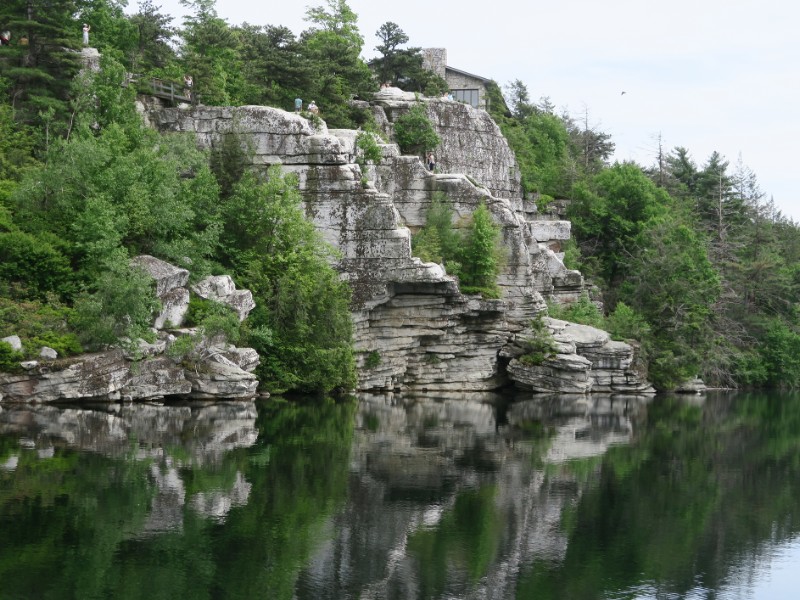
(414, 131)
(583, 311)
(38, 324)
(367, 149)
(33, 266)
(373, 360)
(121, 306)
(9, 358)
(539, 346)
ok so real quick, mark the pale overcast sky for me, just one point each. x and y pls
(704, 74)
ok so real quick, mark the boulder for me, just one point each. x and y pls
(14, 342)
(221, 289)
(174, 305)
(167, 276)
(221, 378)
(48, 353)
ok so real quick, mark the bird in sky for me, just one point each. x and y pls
(622, 94)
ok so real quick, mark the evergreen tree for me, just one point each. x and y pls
(480, 255)
(209, 54)
(402, 67)
(42, 61)
(154, 34)
(333, 46)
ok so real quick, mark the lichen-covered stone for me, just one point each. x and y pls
(166, 276)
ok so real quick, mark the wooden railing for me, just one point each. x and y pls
(168, 90)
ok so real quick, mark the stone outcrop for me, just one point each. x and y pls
(221, 289)
(145, 371)
(586, 360)
(413, 328)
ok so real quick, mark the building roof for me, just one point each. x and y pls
(460, 72)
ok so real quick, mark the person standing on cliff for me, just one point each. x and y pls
(86, 29)
(430, 159)
(298, 105)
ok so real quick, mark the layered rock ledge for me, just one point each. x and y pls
(414, 329)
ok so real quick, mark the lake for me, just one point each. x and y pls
(386, 496)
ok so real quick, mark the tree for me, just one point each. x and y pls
(210, 54)
(672, 283)
(301, 326)
(333, 46)
(480, 255)
(41, 69)
(609, 213)
(402, 67)
(154, 36)
(274, 67)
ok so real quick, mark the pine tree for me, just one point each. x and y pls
(42, 59)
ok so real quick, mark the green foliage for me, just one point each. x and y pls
(302, 321)
(209, 54)
(332, 48)
(373, 360)
(481, 256)
(154, 33)
(608, 215)
(18, 143)
(775, 363)
(672, 284)
(227, 162)
(539, 346)
(121, 306)
(41, 71)
(9, 358)
(626, 324)
(122, 188)
(414, 131)
(582, 311)
(438, 241)
(474, 255)
(39, 324)
(31, 268)
(367, 149)
(402, 67)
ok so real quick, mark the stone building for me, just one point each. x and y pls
(465, 87)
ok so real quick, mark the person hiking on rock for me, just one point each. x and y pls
(430, 160)
(86, 29)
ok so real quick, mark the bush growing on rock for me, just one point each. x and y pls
(414, 131)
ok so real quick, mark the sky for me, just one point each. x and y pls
(708, 75)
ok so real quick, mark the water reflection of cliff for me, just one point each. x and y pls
(447, 501)
(170, 439)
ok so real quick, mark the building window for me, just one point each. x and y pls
(466, 96)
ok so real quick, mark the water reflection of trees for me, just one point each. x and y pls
(90, 521)
(577, 497)
(706, 488)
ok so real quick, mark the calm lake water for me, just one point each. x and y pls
(402, 498)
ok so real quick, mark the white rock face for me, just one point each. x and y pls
(413, 329)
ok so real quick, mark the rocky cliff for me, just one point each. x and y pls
(410, 318)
